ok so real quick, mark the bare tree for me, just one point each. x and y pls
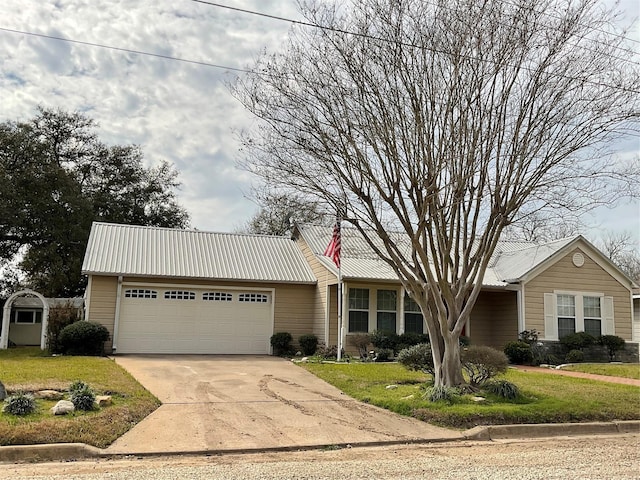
(442, 121)
(623, 251)
(278, 209)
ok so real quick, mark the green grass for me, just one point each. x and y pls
(626, 370)
(545, 398)
(29, 369)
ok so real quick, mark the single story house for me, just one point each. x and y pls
(162, 290)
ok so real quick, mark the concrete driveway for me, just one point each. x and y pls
(217, 403)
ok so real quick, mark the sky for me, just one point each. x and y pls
(177, 111)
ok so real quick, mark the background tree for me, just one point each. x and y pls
(278, 209)
(56, 178)
(433, 125)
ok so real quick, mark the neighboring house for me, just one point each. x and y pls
(636, 315)
(25, 322)
(183, 291)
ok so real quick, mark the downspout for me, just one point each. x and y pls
(520, 302)
(116, 320)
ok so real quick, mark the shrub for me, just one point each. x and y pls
(577, 341)
(82, 396)
(519, 352)
(410, 339)
(382, 339)
(613, 343)
(328, 353)
(503, 388)
(575, 356)
(464, 341)
(384, 355)
(482, 363)
(20, 404)
(83, 338)
(441, 394)
(361, 341)
(529, 336)
(417, 358)
(60, 316)
(308, 344)
(281, 343)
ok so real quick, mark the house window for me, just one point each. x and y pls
(413, 320)
(592, 316)
(179, 295)
(566, 315)
(253, 298)
(386, 310)
(27, 317)
(217, 296)
(358, 310)
(140, 293)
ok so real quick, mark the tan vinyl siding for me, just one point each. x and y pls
(564, 275)
(102, 307)
(494, 319)
(324, 278)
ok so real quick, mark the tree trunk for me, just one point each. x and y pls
(446, 357)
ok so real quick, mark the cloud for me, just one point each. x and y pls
(176, 111)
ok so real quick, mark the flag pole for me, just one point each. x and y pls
(340, 319)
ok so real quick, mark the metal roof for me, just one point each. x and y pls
(164, 252)
(511, 259)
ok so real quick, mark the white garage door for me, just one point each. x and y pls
(194, 320)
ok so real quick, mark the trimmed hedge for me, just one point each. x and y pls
(83, 338)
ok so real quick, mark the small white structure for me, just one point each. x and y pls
(6, 317)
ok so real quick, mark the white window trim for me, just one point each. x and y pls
(373, 306)
(607, 324)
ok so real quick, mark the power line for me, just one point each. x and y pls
(127, 50)
(406, 44)
(364, 35)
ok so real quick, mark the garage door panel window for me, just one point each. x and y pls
(217, 296)
(253, 298)
(140, 293)
(179, 295)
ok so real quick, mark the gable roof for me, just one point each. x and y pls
(115, 249)
(512, 261)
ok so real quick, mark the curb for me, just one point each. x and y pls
(501, 432)
(78, 451)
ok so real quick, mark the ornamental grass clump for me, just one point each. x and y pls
(82, 396)
(20, 404)
(503, 389)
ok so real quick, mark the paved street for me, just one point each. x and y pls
(606, 457)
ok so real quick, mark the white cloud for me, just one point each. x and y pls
(177, 111)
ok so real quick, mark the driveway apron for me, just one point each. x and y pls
(217, 403)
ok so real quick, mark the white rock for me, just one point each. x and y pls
(391, 387)
(49, 395)
(62, 407)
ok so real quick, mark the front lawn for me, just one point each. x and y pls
(626, 370)
(29, 369)
(545, 398)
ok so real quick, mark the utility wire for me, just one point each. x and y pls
(127, 50)
(364, 35)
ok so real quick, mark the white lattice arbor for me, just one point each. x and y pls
(6, 316)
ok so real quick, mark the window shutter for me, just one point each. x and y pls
(609, 326)
(550, 319)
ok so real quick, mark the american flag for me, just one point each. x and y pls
(333, 249)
